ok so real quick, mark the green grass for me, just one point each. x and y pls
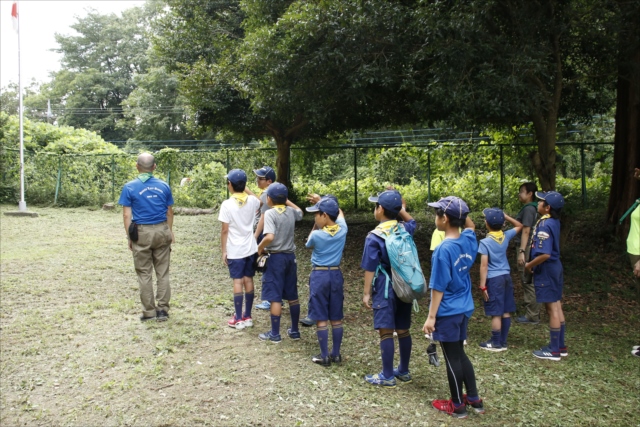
(73, 351)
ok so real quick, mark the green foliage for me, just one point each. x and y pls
(207, 188)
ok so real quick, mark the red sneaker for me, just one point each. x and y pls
(236, 323)
(448, 407)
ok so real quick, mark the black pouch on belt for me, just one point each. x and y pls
(133, 231)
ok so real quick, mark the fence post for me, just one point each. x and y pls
(584, 177)
(113, 177)
(355, 177)
(55, 199)
(501, 180)
(428, 175)
(227, 172)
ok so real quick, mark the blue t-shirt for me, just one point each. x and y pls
(450, 265)
(327, 249)
(546, 239)
(497, 252)
(149, 200)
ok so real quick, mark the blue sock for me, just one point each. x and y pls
(386, 351)
(495, 337)
(275, 325)
(504, 332)
(294, 309)
(336, 332)
(248, 296)
(323, 340)
(554, 338)
(237, 303)
(562, 329)
(404, 344)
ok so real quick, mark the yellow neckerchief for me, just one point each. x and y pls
(331, 229)
(386, 226)
(279, 208)
(240, 198)
(536, 226)
(497, 236)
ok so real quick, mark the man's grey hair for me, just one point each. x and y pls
(146, 162)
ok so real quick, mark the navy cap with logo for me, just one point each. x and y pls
(553, 198)
(326, 205)
(278, 192)
(236, 176)
(266, 172)
(453, 206)
(494, 217)
(391, 200)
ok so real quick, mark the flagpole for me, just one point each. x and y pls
(22, 205)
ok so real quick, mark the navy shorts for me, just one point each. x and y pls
(548, 281)
(389, 313)
(280, 278)
(326, 295)
(501, 299)
(451, 328)
(243, 267)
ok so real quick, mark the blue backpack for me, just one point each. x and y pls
(407, 278)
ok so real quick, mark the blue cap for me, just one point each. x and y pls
(236, 176)
(332, 197)
(266, 172)
(326, 205)
(494, 217)
(391, 200)
(453, 206)
(278, 192)
(553, 198)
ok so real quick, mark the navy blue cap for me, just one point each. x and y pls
(278, 192)
(326, 205)
(494, 217)
(453, 206)
(553, 198)
(391, 200)
(236, 176)
(266, 172)
(332, 197)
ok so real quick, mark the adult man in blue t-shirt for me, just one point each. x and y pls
(147, 201)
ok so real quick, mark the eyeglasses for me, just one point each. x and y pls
(261, 178)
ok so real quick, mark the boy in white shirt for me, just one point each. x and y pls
(239, 247)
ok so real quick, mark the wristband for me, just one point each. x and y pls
(483, 289)
(522, 251)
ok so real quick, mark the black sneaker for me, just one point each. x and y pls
(336, 359)
(322, 361)
(144, 319)
(307, 321)
(477, 405)
(162, 316)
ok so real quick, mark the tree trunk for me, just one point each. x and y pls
(626, 157)
(283, 160)
(544, 160)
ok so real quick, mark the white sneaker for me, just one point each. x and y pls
(236, 324)
(248, 322)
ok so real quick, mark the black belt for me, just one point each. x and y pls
(335, 267)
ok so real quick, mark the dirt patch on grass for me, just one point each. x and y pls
(73, 351)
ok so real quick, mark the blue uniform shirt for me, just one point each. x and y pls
(546, 239)
(497, 252)
(327, 249)
(148, 201)
(450, 266)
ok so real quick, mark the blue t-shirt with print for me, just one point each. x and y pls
(327, 249)
(450, 265)
(497, 252)
(148, 201)
(546, 239)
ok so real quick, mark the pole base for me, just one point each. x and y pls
(22, 213)
(22, 206)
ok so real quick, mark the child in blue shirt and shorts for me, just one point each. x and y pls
(280, 277)
(389, 312)
(326, 293)
(452, 304)
(548, 273)
(495, 277)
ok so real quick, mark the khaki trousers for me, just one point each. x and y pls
(532, 308)
(151, 252)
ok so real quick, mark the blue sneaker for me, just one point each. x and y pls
(488, 345)
(264, 305)
(404, 377)
(268, 336)
(546, 353)
(380, 380)
(293, 335)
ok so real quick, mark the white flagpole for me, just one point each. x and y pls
(22, 205)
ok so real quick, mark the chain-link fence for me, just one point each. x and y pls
(482, 173)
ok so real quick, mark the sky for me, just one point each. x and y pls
(39, 21)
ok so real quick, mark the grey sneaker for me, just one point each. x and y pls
(404, 377)
(268, 336)
(526, 321)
